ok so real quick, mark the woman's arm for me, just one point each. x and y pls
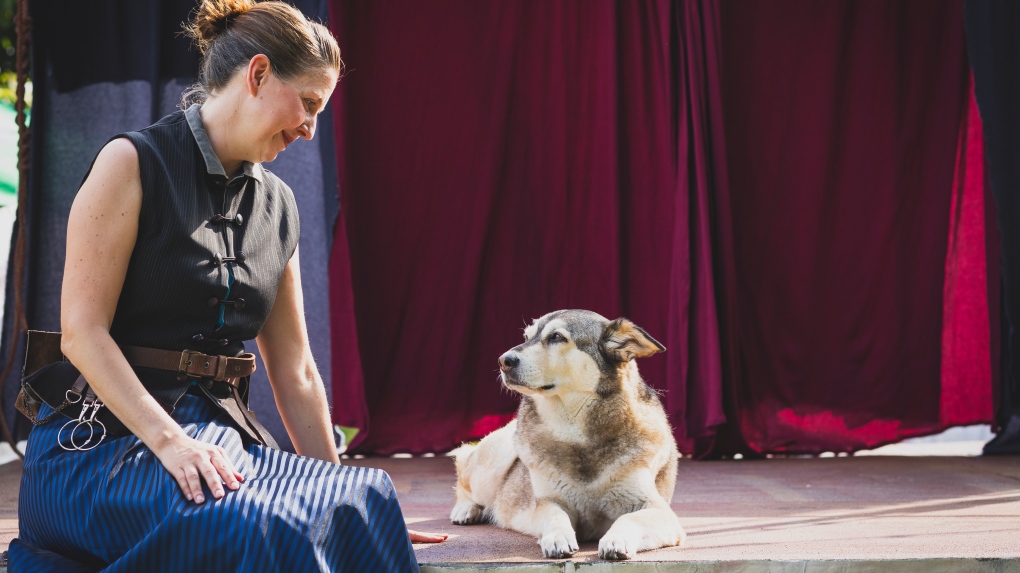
(297, 386)
(101, 232)
(295, 379)
(300, 395)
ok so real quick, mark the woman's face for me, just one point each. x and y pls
(288, 109)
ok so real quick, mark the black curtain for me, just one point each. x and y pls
(993, 45)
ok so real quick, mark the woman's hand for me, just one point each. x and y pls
(190, 461)
(419, 537)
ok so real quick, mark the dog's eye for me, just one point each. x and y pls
(556, 337)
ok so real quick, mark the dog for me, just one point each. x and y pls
(590, 454)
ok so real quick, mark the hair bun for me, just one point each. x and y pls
(211, 19)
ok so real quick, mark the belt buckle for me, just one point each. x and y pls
(186, 360)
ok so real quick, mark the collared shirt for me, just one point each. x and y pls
(212, 163)
(210, 252)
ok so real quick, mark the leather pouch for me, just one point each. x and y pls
(48, 378)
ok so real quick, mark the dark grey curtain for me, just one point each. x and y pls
(108, 66)
(994, 50)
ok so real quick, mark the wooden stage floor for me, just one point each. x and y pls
(874, 513)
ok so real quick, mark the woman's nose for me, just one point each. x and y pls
(307, 129)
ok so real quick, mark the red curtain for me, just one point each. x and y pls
(501, 160)
(968, 393)
(858, 224)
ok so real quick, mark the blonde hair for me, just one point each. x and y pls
(229, 33)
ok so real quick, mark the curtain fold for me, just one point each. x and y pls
(967, 317)
(703, 197)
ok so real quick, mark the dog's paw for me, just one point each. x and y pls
(558, 545)
(466, 513)
(616, 547)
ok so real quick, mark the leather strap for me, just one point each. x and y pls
(220, 368)
(79, 386)
(234, 407)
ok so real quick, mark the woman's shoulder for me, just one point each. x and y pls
(175, 118)
(123, 157)
(119, 151)
(113, 178)
(118, 159)
(277, 197)
(274, 185)
(171, 127)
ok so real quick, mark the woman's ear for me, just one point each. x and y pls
(256, 74)
(623, 341)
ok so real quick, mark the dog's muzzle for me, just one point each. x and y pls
(508, 362)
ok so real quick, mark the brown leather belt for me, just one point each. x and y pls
(192, 363)
(49, 378)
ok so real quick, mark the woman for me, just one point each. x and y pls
(179, 240)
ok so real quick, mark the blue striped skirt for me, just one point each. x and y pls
(116, 509)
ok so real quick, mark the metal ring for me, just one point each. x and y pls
(82, 447)
(68, 394)
(91, 433)
(74, 447)
(61, 431)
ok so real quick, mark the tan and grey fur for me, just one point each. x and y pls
(590, 455)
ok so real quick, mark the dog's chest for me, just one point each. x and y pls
(591, 479)
(577, 464)
(595, 510)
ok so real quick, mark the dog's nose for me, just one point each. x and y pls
(508, 361)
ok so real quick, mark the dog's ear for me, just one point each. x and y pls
(623, 341)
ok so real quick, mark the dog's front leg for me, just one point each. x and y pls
(649, 528)
(551, 524)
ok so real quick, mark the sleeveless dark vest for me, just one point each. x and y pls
(210, 251)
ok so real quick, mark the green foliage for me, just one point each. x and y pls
(9, 87)
(8, 41)
(346, 434)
